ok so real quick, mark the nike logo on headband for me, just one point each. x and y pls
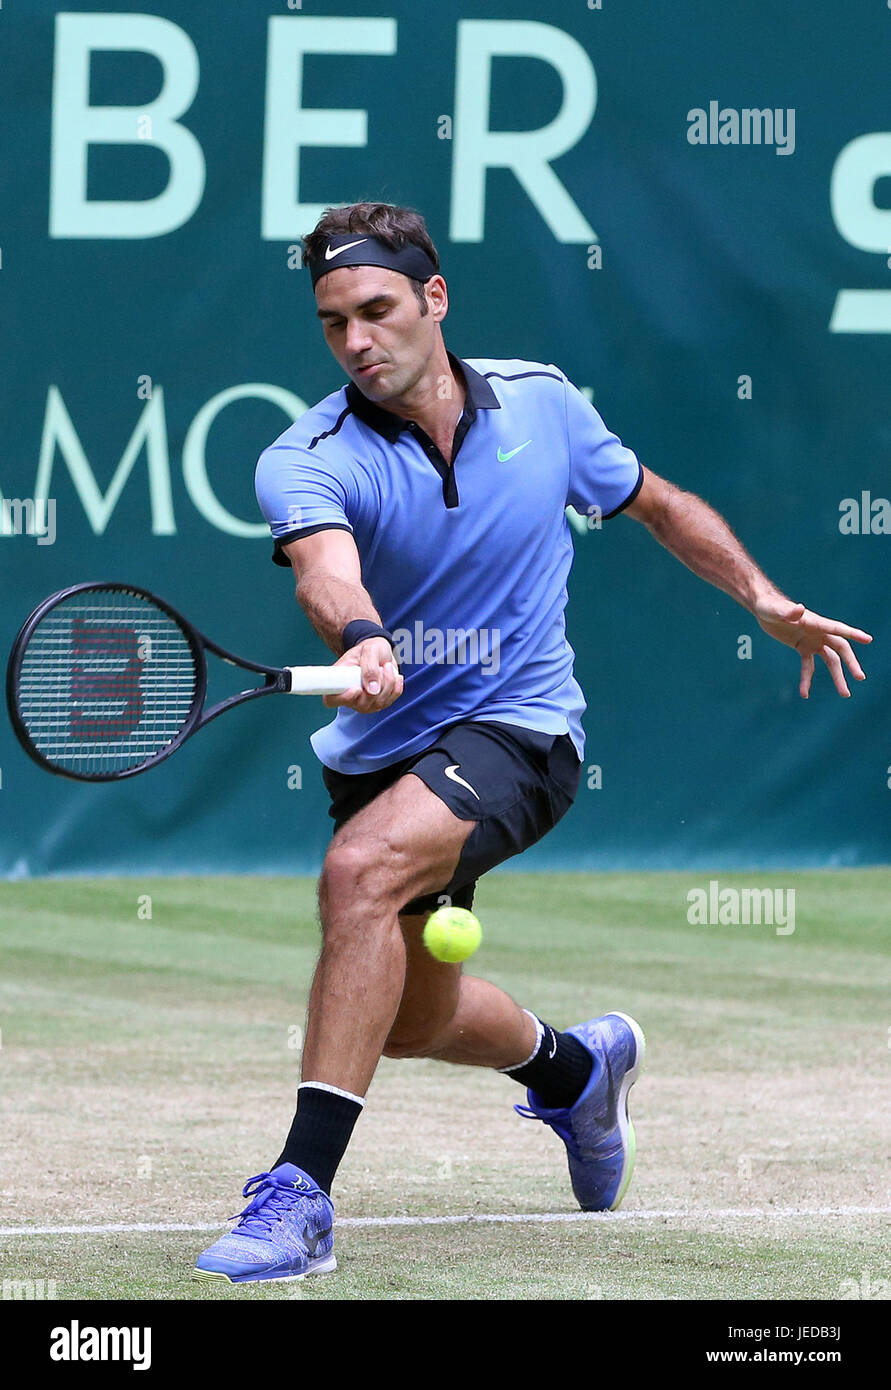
(329, 254)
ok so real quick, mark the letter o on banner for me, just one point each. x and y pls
(195, 463)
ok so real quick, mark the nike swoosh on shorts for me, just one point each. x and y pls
(452, 774)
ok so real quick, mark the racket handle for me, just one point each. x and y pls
(324, 680)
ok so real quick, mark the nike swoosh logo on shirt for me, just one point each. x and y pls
(329, 254)
(452, 774)
(503, 458)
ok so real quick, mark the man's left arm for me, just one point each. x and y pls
(701, 539)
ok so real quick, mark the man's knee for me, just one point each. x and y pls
(423, 1024)
(360, 872)
(421, 1040)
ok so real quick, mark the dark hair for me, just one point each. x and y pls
(394, 226)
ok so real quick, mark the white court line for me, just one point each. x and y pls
(492, 1218)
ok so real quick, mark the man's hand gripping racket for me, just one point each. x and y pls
(381, 681)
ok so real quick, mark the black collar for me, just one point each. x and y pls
(478, 396)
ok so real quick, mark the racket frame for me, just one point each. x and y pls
(277, 680)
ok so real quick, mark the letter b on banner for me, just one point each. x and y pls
(77, 125)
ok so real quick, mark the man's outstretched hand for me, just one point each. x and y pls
(812, 635)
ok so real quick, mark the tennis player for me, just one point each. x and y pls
(422, 510)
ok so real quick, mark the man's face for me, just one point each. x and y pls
(374, 326)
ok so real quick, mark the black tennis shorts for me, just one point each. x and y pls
(515, 783)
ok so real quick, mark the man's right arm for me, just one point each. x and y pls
(329, 583)
(328, 573)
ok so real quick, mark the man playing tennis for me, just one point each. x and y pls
(422, 508)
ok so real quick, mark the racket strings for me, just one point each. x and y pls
(108, 680)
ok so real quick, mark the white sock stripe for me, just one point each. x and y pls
(539, 1034)
(335, 1091)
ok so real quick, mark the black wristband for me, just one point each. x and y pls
(361, 628)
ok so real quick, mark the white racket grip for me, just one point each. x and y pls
(324, 680)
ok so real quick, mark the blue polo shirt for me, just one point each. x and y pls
(466, 562)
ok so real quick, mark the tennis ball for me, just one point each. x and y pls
(452, 934)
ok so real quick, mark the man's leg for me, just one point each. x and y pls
(577, 1081)
(376, 986)
(455, 1017)
(377, 990)
(459, 1018)
(404, 843)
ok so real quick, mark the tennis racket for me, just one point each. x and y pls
(107, 680)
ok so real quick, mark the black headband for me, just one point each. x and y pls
(351, 248)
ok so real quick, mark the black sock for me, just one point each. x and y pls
(557, 1072)
(321, 1130)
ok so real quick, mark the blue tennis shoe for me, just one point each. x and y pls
(597, 1131)
(285, 1232)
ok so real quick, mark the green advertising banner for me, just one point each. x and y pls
(687, 208)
